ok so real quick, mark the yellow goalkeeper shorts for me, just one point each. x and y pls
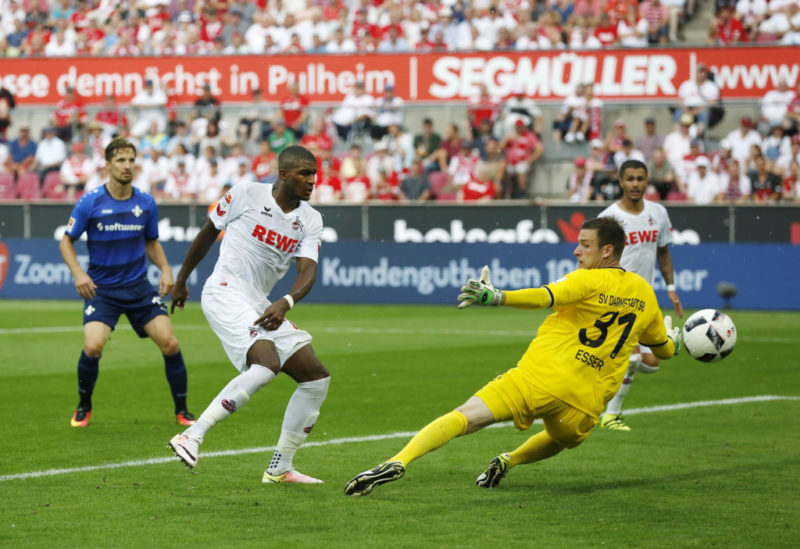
(511, 396)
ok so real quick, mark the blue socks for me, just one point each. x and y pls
(88, 369)
(174, 367)
(175, 370)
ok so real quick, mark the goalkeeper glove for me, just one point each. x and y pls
(480, 291)
(674, 334)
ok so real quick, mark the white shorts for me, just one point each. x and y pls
(231, 311)
(519, 167)
(644, 350)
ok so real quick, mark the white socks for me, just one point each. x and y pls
(235, 395)
(615, 404)
(301, 414)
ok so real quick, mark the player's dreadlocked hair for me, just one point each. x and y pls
(118, 144)
(609, 231)
(293, 154)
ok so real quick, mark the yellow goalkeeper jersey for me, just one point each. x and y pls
(581, 351)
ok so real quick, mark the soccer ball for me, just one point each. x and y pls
(709, 335)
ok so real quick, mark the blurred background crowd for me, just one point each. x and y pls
(368, 147)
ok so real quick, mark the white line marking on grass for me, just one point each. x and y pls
(371, 438)
(358, 330)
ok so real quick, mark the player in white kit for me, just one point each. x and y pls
(266, 227)
(648, 233)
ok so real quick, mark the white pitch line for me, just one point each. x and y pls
(355, 330)
(371, 438)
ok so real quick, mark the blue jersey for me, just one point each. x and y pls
(116, 231)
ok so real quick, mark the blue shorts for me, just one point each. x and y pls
(138, 301)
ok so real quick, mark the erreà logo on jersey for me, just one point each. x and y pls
(5, 259)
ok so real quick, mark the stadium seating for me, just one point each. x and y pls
(8, 190)
(677, 196)
(52, 182)
(28, 186)
(652, 195)
(438, 182)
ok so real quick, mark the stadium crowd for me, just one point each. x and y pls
(366, 150)
(761, 21)
(169, 27)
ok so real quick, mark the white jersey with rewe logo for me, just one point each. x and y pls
(260, 239)
(644, 233)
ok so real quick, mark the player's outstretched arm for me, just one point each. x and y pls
(275, 314)
(482, 292)
(197, 251)
(83, 282)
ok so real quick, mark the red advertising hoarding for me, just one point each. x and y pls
(620, 75)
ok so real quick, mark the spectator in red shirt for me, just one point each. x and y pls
(110, 117)
(95, 37)
(726, 28)
(395, 22)
(211, 25)
(606, 31)
(80, 17)
(523, 149)
(363, 30)
(264, 163)
(425, 42)
(317, 140)
(386, 187)
(69, 115)
(618, 9)
(482, 106)
(294, 109)
(479, 188)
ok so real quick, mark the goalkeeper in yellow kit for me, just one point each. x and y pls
(570, 370)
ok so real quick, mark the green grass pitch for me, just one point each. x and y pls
(721, 475)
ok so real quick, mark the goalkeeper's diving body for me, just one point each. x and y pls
(571, 369)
